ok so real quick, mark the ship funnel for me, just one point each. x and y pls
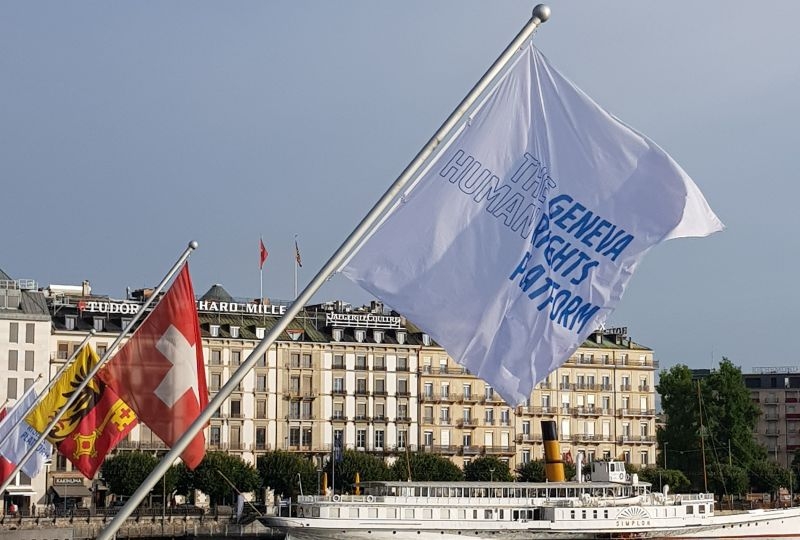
(553, 464)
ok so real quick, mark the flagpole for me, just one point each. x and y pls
(540, 14)
(52, 383)
(77, 392)
(295, 267)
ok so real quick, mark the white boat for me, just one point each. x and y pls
(613, 505)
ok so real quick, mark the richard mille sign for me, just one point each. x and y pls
(368, 320)
(130, 308)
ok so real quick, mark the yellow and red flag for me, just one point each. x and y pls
(98, 432)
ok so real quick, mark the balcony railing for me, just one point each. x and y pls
(499, 450)
(628, 439)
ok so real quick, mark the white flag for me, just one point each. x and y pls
(18, 436)
(519, 238)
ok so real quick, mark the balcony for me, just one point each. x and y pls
(585, 411)
(339, 392)
(361, 392)
(470, 398)
(771, 417)
(379, 418)
(625, 388)
(403, 393)
(636, 439)
(644, 388)
(403, 369)
(361, 367)
(587, 438)
(338, 418)
(636, 412)
(403, 420)
(426, 397)
(494, 398)
(381, 392)
(544, 411)
(471, 450)
(427, 419)
(772, 432)
(466, 423)
(499, 450)
(338, 365)
(444, 421)
(528, 438)
(362, 418)
(379, 368)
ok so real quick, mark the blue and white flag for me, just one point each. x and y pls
(519, 237)
(17, 436)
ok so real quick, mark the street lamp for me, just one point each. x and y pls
(319, 475)
(665, 454)
(491, 474)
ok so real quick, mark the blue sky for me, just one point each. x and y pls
(129, 129)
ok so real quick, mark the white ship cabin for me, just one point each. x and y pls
(609, 492)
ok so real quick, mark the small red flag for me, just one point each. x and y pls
(263, 254)
(5, 466)
(160, 372)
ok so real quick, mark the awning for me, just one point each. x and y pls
(72, 491)
(20, 490)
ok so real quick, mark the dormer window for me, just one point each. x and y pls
(69, 322)
(99, 323)
(378, 334)
(214, 330)
(337, 334)
(260, 332)
(234, 331)
(401, 337)
(126, 322)
(361, 335)
(426, 340)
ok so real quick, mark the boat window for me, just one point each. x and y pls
(462, 514)
(689, 509)
(501, 514)
(572, 514)
(354, 512)
(427, 513)
(444, 513)
(583, 514)
(372, 512)
(474, 514)
(315, 511)
(605, 514)
(487, 513)
(594, 514)
(391, 513)
(515, 515)
(409, 514)
(333, 512)
(702, 508)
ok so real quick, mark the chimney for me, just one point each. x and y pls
(553, 463)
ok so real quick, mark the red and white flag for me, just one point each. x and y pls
(263, 253)
(6, 467)
(160, 371)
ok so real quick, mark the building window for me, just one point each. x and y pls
(216, 357)
(262, 361)
(337, 334)
(69, 322)
(427, 438)
(402, 438)
(215, 436)
(526, 457)
(643, 458)
(236, 358)
(361, 439)
(294, 360)
(402, 363)
(361, 335)
(261, 438)
(260, 332)
(261, 383)
(306, 360)
(338, 385)
(30, 332)
(215, 381)
(12, 361)
(234, 331)
(294, 436)
(361, 362)
(261, 408)
(338, 361)
(379, 363)
(11, 392)
(99, 324)
(467, 391)
(428, 390)
(28, 383)
(213, 330)
(378, 439)
(13, 331)
(236, 408)
(402, 387)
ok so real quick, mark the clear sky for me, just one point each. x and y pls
(129, 129)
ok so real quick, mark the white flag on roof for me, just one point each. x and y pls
(520, 237)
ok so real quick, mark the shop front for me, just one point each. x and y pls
(68, 494)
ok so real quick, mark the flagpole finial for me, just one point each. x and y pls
(93, 331)
(541, 12)
(193, 244)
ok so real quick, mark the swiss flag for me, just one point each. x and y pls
(262, 253)
(160, 371)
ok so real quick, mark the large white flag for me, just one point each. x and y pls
(17, 437)
(519, 238)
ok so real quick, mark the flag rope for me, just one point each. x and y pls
(79, 389)
(540, 14)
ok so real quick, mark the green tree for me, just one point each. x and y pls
(279, 470)
(658, 477)
(767, 476)
(728, 418)
(532, 471)
(728, 480)
(367, 466)
(426, 467)
(125, 472)
(487, 468)
(207, 478)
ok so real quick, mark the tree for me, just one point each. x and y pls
(125, 472)
(728, 480)
(487, 468)
(658, 477)
(728, 418)
(767, 476)
(207, 478)
(426, 467)
(532, 471)
(367, 466)
(279, 470)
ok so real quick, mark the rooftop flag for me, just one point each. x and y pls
(517, 240)
(160, 371)
(262, 253)
(297, 254)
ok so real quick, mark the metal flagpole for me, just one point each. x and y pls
(540, 14)
(294, 253)
(76, 394)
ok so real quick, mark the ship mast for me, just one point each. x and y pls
(702, 438)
